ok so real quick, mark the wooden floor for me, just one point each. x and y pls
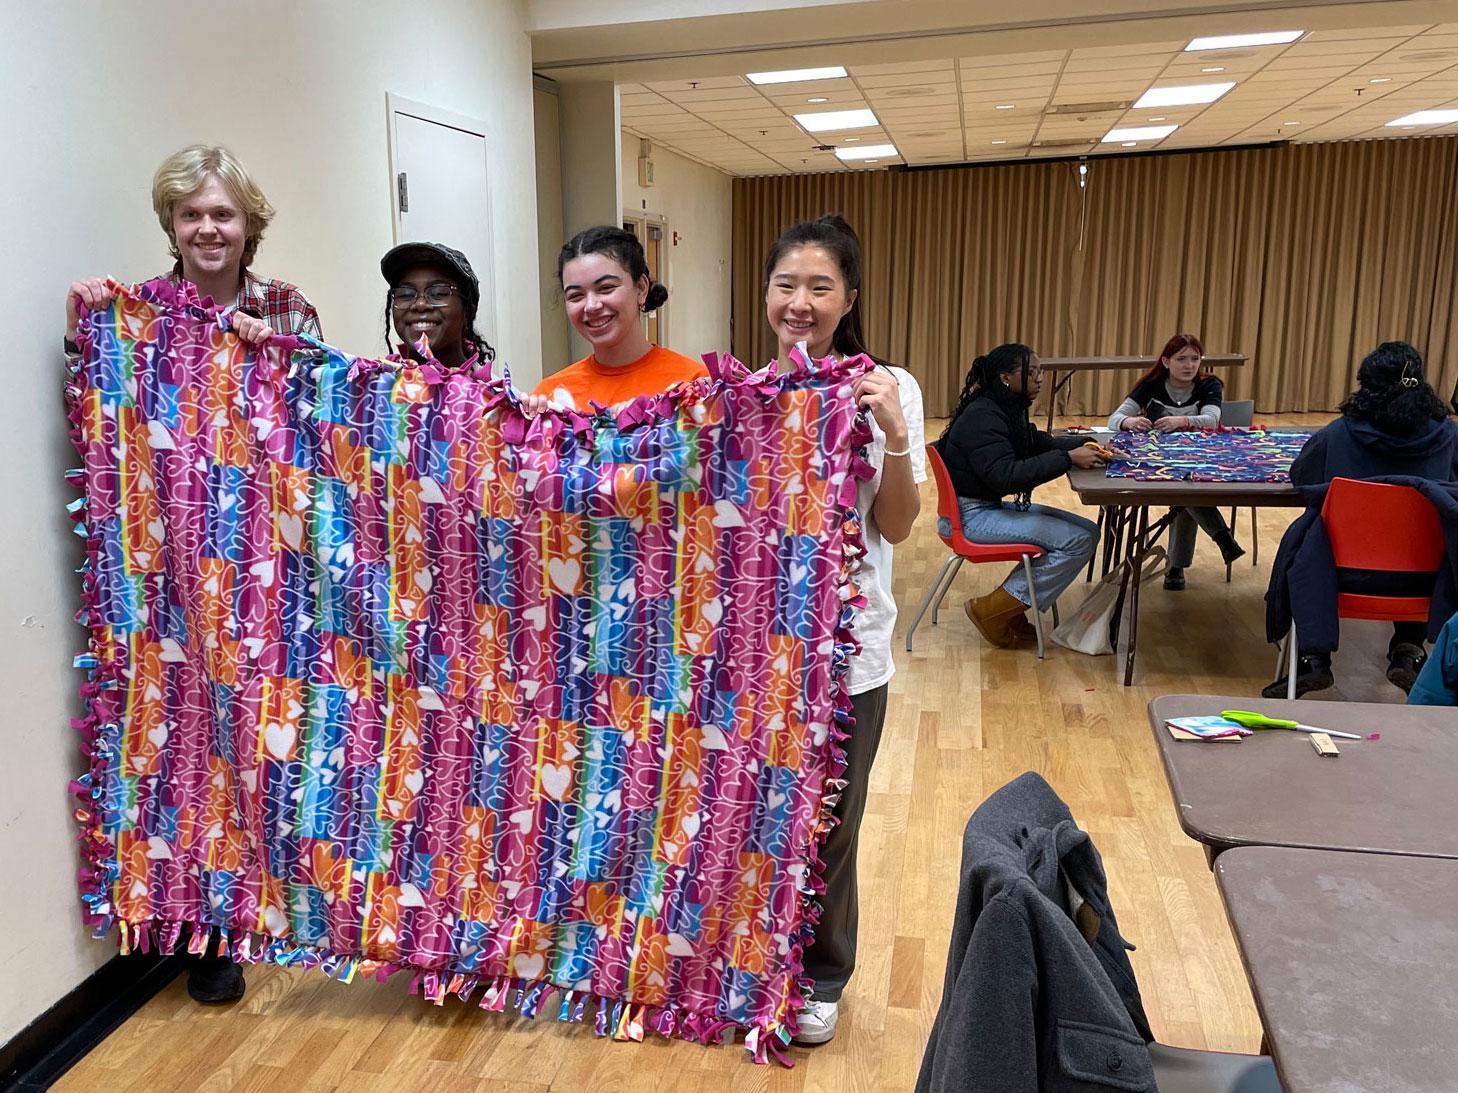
(963, 719)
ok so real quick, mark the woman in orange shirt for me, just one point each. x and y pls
(605, 281)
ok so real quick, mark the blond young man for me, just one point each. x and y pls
(214, 215)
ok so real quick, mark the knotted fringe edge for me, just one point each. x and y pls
(100, 728)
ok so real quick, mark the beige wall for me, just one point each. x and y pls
(95, 96)
(550, 235)
(696, 201)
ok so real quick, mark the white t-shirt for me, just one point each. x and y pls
(873, 626)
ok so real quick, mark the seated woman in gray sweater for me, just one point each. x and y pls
(1179, 393)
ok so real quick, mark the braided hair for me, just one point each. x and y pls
(984, 380)
(1392, 393)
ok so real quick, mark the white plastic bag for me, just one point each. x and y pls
(1087, 629)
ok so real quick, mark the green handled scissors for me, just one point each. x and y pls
(1261, 721)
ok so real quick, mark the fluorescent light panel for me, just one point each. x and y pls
(1184, 95)
(1426, 117)
(1146, 132)
(870, 151)
(796, 75)
(1236, 41)
(827, 120)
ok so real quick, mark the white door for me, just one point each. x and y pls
(442, 193)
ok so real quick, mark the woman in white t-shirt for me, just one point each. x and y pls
(812, 297)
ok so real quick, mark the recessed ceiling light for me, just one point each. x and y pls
(1147, 132)
(999, 142)
(1235, 41)
(1426, 117)
(827, 120)
(871, 161)
(1215, 68)
(1291, 123)
(796, 75)
(818, 98)
(1183, 95)
(1381, 79)
(1129, 144)
(1159, 118)
(870, 151)
(1004, 106)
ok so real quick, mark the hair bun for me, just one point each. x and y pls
(657, 297)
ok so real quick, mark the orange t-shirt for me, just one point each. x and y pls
(587, 381)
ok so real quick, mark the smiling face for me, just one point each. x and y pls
(441, 322)
(604, 304)
(210, 227)
(1184, 366)
(806, 299)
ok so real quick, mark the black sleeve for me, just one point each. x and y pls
(1144, 391)
(1309, 466)
(983, 446)
(1208, 392)
(1047, 442)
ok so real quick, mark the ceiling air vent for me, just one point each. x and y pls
(1428, 55)
(931, 133)
(1063, 143)
(823, 148)
(1080, 109)
(908, 92)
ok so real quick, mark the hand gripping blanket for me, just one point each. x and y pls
(384, 675)
(1206, 455)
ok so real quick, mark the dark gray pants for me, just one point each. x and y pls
(831, 957)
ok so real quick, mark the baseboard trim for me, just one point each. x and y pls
(59, 1038)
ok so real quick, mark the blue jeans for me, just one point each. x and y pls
(1069, 540)
(1182, 532)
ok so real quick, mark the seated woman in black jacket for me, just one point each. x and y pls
(1394, 423)
(992, 450)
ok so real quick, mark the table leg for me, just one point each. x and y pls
(1141, 541)
(1136, 565)
(1058, 385)
(1125, 521)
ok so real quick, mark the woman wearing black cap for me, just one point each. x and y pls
(433, 296)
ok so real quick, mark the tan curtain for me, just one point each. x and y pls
(1302, 257)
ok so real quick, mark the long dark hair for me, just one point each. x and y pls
(830, 233)
(474, 341)
(622, 247)
(1391, 392)
(984, 380)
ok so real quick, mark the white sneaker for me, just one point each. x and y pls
(817, 1022)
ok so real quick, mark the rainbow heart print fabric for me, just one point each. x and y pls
(385, 675)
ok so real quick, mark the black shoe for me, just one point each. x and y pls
(1404, 663)
(1311, 675)
(1174, 579)
(1230, 550)
(214, 980)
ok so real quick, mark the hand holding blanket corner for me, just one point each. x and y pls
(384, 675)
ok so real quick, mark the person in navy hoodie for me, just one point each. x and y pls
(1392, 424)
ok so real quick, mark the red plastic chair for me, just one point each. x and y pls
(964, 550)
(1376, 526)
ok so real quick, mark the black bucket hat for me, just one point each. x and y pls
(398, 259)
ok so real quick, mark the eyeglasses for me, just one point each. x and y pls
(436, 295)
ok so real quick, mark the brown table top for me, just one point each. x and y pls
(1351, 958)
(1088, 364)
(1396, 795)
(1094, 487)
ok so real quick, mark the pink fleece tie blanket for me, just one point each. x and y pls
(384, 675)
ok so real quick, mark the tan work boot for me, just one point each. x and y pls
(993, 615)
